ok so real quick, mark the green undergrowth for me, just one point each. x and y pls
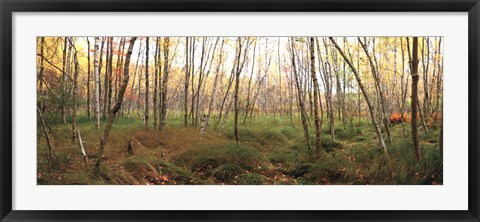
(270, 151)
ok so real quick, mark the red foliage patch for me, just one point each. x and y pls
(397, 118)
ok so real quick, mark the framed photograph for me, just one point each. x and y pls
(118, 110)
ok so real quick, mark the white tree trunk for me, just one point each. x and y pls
(82, 149)
(203, 124)
(365, 95)
(97, 83)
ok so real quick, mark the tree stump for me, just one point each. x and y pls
(203, 124)
(130, 148)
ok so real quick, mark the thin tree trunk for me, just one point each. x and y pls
(106, 79)
(145, 114)
(230, 82)
(117, 67)
(237, 83)
(441, 138)
(211, 54)
(328, 90)
(47, 137)
(227, 111)
(365, 95)
(155, 85)
(247, 107)
(424, 113)
(201, 77)
(97, 84)
(192, 74)
(422, 117)
(100, 65)
(343, 97)
(300, 95)
(88, 79)
(133, 83)
(117, 105)
(40, 74)
(82, 149)
(63, 81)
(159, 87)
(75, 95)
(403, 92)
(214, 87)
(439, 76)
(376, 79)
(187, 75)
(282, 109)
(163, 120)
(415, 77)
(110, 75)
(425, 64)
(318, 129)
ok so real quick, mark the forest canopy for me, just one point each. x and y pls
(239, 110)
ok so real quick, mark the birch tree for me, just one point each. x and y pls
(365, 95)
(187, 76)
(75, 93)
(318, 129)
(88, 79)
(145, 114)
(155, 85)
(163, 113)
(237, 83)
(214, 87)
(97, 83)
(301, 104)
(376, 79)
(116, 107)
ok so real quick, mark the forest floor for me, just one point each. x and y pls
(271, 151)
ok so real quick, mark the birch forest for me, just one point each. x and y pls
(239, 110)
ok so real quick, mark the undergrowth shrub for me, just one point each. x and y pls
(247, 134)
(430, 137)
(269, 137)
(262, 136)
(157, 166)
(347, 134)
(226, 173)
(86, 178)
(360, 138)
(271, 151)
(430, 166)
(250, 179)
(61, 160)
(205, 159)
(399, 167)
(299, 170)
(283, 156)
(328, 166)
(364, 153)
(289, 132)
(330, 145)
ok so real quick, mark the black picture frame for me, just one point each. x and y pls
(8, 7)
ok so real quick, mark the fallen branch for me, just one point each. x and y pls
(82, 148)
